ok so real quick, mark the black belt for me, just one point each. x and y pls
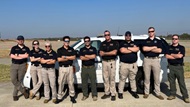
(177, 64)
(156, 57)
(35, 65)
(84, 66)
(109, 60)
(65, 65)
(18, 62)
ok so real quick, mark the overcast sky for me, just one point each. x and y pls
(78, 18)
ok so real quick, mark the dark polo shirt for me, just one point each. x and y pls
(107, 47)
(36, 54)
(52, 55)
(17, 50)
(88, 51)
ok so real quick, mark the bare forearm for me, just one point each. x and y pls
(114, 52)
(51, 62)
(133, 49)
(125, 50)
(70, 57)
(62, 59)
(15, 56)
(169, 56)
(156, 50)
(147, 48)
(177, 55)
(84, 58)
(93, 56)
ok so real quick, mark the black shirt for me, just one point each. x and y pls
(88, 51)
(65, 52)
(17, 50)
(36, 54)
(175, 50)
(128, 57)
(155, 42)
(107, 47)
(52, 55)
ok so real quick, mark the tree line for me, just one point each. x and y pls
(184, 36)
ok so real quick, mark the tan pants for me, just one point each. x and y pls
(66, 75)
(127, 70)
(48, 76)
(36, 75)
(109, 70)
(154, 65)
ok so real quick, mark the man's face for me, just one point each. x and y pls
(128, 37)
(151, 32)
(66, 42)
(107, 35)
(20, 42)
(175, 40)
(87, 42)
(48, 47)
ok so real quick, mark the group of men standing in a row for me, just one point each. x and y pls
(43, 67)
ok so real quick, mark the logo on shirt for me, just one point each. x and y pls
(104, 44)
(155, 41)
(23, 49)
(132, 44)
(91, 50)
(177, 49)
(147, 41)
(111, 44)
(50, 54)
(69, 50)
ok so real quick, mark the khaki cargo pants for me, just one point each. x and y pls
(66, 75)
(154, 65)
(108, 70)
(127, 71)
(36, 75)
(48, 77)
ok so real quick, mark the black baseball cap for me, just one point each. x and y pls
(128, 33)
(20, 38)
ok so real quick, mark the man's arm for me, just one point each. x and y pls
(125, 50)
(134, 48)
(33, 59)
(168, 56)
(110, 53)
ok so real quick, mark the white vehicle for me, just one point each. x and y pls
(96, 41)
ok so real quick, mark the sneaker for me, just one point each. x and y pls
(120, 95)
(25, 93)
(95, 98)
(15, 98)
(160, 97)
(31, 95)
(171, 98)
(73, 100)
(105, 96)
(84, 98)
(186, 100)
(46, 101)
(55, 101)
(134, 94)
(113, 98)
(145, 96)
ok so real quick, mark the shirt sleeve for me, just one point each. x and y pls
(12, 51)
(80, 52)
(182, 50)
(54, 55)
(159, 45)
(59, 53)
(95, 51)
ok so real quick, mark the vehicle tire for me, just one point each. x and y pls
(140, 81)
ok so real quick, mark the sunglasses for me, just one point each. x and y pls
(107, 35)
(66, 41)
(47, 46)
(174, 38)
(87, 41)
(36, 44)
(150, 31)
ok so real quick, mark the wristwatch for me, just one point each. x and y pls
(64, 57)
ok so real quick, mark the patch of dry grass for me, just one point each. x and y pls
(187, 53)
(4, 73)
(187, 70)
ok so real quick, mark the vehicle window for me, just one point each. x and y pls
(73, 45)
(95, 44)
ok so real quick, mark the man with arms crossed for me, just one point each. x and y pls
(108, 52)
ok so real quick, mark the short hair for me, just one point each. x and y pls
(106, 31)
(86, 37)
(66, 37)
(175, 35)
(151, 28)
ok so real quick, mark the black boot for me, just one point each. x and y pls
(120, 95)
(134, 94)
(73, 100)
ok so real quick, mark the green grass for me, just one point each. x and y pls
(4, 72)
